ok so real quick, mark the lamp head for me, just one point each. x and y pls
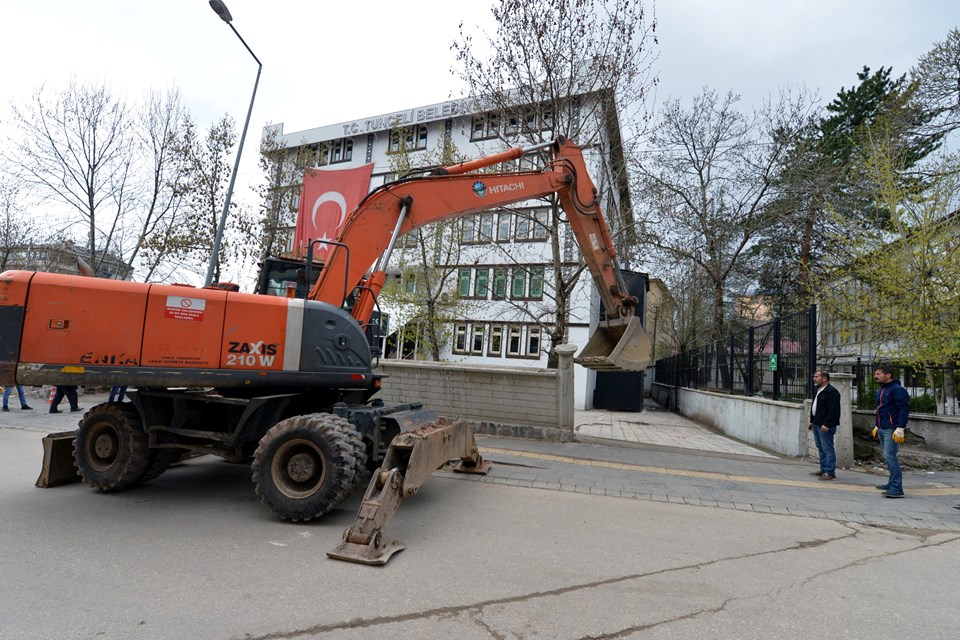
(221, 10)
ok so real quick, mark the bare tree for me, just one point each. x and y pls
(76, 148)
(564, 67)
(708, 184)
(937, 75)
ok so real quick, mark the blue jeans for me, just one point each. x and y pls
(890, 448)
(828, 453)
(6, 396)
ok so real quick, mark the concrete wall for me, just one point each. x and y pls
(775, 426)
(494, 398)
(940, 433)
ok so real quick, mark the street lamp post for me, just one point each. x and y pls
(221, 9)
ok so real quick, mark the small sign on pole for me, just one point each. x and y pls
(773, 362)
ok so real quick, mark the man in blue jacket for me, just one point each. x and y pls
(893, 409)
(824, 419)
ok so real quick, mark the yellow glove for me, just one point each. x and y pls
(898, 435)
(876, 432)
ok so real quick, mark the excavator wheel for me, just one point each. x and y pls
(160, 460)
(306, 465)
(111, 448)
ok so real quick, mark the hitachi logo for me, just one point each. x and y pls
(503, 188)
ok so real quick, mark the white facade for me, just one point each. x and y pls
(503, 272)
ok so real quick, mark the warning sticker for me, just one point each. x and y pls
(185, 308)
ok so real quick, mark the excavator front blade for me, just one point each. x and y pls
(58, 464)
(617, 345)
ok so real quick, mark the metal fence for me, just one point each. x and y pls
(932, 389)
(775, 360)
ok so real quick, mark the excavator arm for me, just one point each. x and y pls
(371, 230)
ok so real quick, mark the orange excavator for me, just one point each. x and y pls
(286, 381)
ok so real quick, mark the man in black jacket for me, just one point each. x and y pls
(824, 419)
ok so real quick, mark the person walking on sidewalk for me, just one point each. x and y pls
(824, 419)
(68, 390)
(893, 410)
(23, 399)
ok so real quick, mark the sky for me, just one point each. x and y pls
(327, 62)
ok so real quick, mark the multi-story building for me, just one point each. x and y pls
(499, 266)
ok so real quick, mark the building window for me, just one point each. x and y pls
(410, 283)
(485, 126)
(503, 227)
(407, 139)
(536, 283)
(342, 150)
(533, 341)
(476, 339)
(460, 338)
(518, 284)
(523, 226)
(480, 284)
(495, 346)
(463, 283)
(469, 230)
(486, 227)
(541, 220)
(499, 284)
(515, 341)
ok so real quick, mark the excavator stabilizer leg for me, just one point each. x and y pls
(58, 463)
(617, 345)
(411, 458)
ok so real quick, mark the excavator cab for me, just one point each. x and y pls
(286, 277)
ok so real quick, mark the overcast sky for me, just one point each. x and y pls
(326, 61)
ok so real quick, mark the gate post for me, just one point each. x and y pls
(844, 440)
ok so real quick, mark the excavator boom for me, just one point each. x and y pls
(371, 230)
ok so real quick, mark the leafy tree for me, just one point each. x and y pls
(823, 170)
(564, 67)
(424, 298)
(709, 185)
(202, 186)
(896, 283)
(283, 168)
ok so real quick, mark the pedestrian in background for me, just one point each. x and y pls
(65, 390)
(824, 420)
(893, 410)
(117, 392)
(23, 399)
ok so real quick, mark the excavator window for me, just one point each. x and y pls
(280, 275)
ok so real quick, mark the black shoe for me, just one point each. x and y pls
(816, 473)
(6, 409)
(893, 495)
(828, 476)
(26, 408)
(55, 411)
(883, 487)
(75, 409)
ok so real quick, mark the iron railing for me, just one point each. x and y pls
(776, 360)
(932, 389)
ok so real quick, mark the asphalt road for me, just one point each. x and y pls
(194, 555)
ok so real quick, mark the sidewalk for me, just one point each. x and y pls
(656, 426)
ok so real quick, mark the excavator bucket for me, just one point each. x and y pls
(58, 465)
(617, 345)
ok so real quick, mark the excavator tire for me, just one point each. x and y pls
(306, 465)
(111, 448)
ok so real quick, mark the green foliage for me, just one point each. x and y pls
(923, 404)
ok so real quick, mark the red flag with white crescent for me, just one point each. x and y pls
(328, 195)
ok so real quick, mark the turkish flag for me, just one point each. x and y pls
(325, 200)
